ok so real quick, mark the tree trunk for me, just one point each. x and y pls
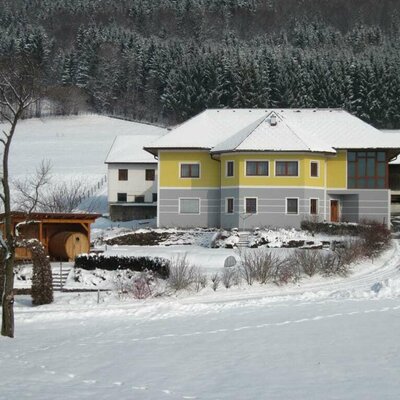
(7, 327)
(7, 321)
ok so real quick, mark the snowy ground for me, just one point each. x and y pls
(322, 340)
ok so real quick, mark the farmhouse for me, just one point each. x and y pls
(272, 167)
(132, 178)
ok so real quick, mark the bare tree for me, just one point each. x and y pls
(18, 91)
(29, 191)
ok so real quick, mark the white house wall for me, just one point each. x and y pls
(136, 185)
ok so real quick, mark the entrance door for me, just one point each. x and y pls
(334, 210)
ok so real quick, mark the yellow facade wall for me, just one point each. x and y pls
(169, 169)
(213, 172)
(304, 178)
(337, 170)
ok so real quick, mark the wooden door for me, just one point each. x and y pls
(334, 210)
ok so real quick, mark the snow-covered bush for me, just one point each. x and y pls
(230, 276)
(137, 285)
(349, 251)
(259, 265)
(307, 260)
(200, 280)
(376, 238)
(181, 273)
(216, 280)
(286, 272)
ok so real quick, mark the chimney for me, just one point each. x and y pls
(272, 120)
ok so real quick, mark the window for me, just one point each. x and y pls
(251, 205)
(314, 170)
(154, 197)
(286, 168)
(230, 168)
(139, 199)
(257, 168)
(190, 170)
(122, 174)
(121, 197)
(229, 205)
(150, 174)
(292, 206)
(189, 206)
(313, 206)
(366, 170)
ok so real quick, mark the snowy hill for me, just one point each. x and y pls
(76, 146)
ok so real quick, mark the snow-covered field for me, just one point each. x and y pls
(334, 339)
(76, 146)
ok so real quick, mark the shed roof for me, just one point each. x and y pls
(39, 216)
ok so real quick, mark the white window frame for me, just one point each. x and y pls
(226, 169)
(189, 162)
(245, 208)
(319, 170)
(226, 205)
(309, 208)
(257, 176)
(287, 176)
(286, 205)
(189, 198)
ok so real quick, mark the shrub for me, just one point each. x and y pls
(126, 283)
(200, 280)
(340, 229)
(90, 262)
(332, 265)
(229, 276)
(307, 260)
(349, 251)
(376, 238)
(285, 272)
(259, 265)
(181, 273)
(215, 279)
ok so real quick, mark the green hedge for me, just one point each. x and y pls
(160, 266)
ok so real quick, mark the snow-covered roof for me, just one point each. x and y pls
(129, 149)
(389, 132)
(315, 130)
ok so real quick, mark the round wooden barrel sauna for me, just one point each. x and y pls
(67, 245)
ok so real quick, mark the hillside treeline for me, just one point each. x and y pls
(166, 60)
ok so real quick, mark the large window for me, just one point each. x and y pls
(251, 205)
(190, 170)
(189, 206)
(122, 174)
(292, 206)
(367, 169)
(257, 168)
(286, 168)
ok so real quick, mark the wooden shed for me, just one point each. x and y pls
(64, 235)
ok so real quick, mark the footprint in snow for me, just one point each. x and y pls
(89, 381)
(71, 376)
(139, 387)
(118, 383)
(166, 391)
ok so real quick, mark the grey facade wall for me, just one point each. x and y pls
(271, 207)
(362, 204)
(355, 206)
(169, 215)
